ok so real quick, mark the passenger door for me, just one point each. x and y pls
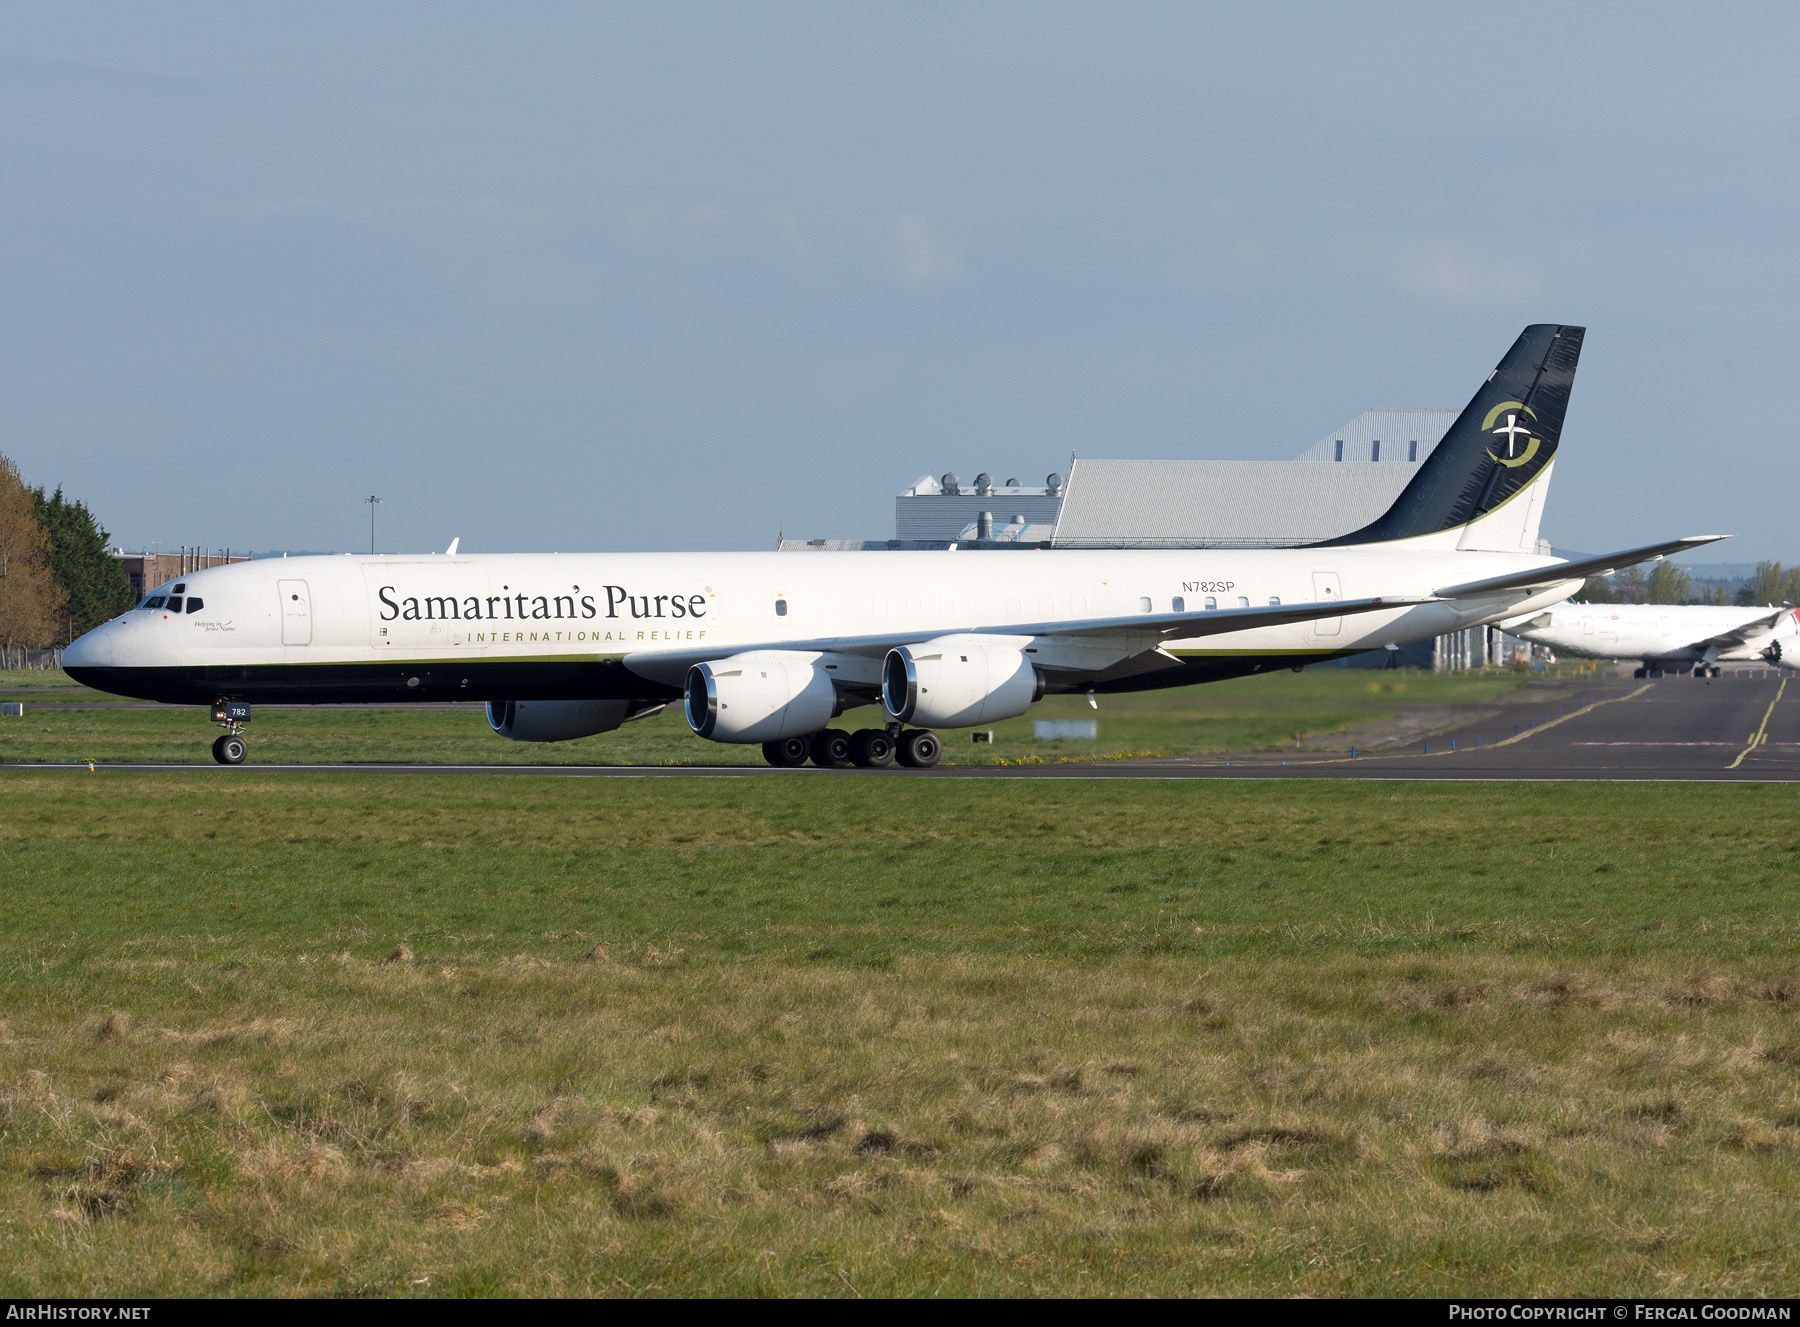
(1327, 587)
(296, 613)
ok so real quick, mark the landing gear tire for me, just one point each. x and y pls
(919, 748)
(831, 749)
(1718, 672)
(872, 748)
(1640, 672)
(787, 752)
(1656, 672)
(230, 749)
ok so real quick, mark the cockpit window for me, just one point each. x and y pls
(154, 601)
(180, 588)
(174, 603)
(195, 603)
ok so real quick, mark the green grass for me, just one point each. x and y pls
(363, 1035)
(1246, 714)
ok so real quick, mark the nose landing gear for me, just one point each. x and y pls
(231, 715)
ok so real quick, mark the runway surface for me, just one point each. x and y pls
(1730, 729)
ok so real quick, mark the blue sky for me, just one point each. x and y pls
(663, 276)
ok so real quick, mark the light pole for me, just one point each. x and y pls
(373, 502)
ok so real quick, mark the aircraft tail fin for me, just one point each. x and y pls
(1497, 454)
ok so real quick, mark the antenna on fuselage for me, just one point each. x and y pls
(451, 551)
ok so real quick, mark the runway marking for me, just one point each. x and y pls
(1757, 736)
(1652, 743)
(1532, 732)
(747, 772)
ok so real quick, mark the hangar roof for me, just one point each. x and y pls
(1222, 504)
(1252, 504)
(1391, 426)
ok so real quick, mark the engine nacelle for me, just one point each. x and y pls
(760, 696)
(957, 681)
(557, 720)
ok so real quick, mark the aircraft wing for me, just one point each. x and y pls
(1211, 622)
(1742, 635)
(1153, 628)
(1558, 572)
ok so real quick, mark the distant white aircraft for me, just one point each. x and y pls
(1675, 638)
(770, 647)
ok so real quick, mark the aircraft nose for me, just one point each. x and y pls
(93, 649)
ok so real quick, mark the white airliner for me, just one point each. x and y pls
(1675, 638)
(769, 647)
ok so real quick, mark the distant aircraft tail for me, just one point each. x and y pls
(1484, 485)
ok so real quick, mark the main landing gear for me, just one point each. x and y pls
(871, 748)
(231, 715)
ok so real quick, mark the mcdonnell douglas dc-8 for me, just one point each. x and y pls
(769, 647)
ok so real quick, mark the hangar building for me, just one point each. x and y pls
(1188, 504)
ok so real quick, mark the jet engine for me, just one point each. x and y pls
(760, 696)
(562, 720)
(957, 681)
(1784, 650)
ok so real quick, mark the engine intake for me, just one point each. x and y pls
(759, 696)
(958, 681)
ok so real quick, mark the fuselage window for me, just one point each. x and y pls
(1211, 603)
(1274, 601)
(1143, 605)
(1178, 605)
(1243, 602)
(195, 603)
(781, 608)
(154, 601)
(174, 603)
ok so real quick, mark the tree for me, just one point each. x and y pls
(1765, 584)
(1630, 586)
(1594, 590)
(30, 603)
(1668, 584)
(92, 580)
(1790, 586)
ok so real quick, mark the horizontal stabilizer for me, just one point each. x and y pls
(1557, 572)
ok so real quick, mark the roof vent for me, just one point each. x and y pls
(1053, 482)
(983, 485)
(952, 485)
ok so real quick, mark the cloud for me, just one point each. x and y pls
(1446, 271)
(19, 69)
(923, 258)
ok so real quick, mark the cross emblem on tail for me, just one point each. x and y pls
(1512, 432)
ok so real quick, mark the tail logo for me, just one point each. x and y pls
(1514, 434)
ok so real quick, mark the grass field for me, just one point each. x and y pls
(1247, 714)
(357, 1035)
